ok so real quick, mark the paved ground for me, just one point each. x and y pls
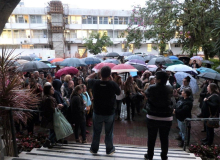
(135, 132)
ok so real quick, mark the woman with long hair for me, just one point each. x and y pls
(119, 98)
(77, 113)
(210, 108)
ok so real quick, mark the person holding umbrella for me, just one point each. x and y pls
(194, 64)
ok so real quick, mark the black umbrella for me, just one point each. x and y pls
(149, 57)
(159, 60)
(209, 75)
(28, 58)
(207, 62)
(74, 62)
(32, 66)
(139, 67)
(112, 54)
(187, 59)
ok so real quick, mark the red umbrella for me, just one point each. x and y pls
(100, 65)
(124, 68)
(57, 60)
(66, 70)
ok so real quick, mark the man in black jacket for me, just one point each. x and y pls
(104, 92)
(159, 115)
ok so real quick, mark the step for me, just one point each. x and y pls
(81, 151)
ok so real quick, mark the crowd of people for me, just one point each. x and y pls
(91, 99)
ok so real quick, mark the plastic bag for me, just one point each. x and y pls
(62, 127)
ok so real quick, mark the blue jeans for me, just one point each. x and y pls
(97, 129)
(182, 127)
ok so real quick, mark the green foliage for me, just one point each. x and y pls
(216, 64)
(100, 42)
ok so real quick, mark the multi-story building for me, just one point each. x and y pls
(60, 28)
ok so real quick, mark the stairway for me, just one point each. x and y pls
(77, 151)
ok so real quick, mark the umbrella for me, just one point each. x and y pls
(181, 68)
(22, 61)
(159, 60)
(153, 69)
(57, 60)
(139, 67)
(112, 54)
(199, 62)
(218, 68)
(46, 62)
(33, 66)
(13, 63)
(173, 57)
(126, 54)
(204, 69)
(100, 65)
(207, 62)
(193, 83)
(136, 61)
(50, 59)
(74, 62)
(28, 58)
(187, 59)
(66, 70)
(124, 68)
(197, 57)
(152, 66)
(209, 75)
(135, 57)
(115, 61)
(149, 57)
(174, 62)
(91, 60)
(37, 59)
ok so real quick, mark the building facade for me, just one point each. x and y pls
(60, 28)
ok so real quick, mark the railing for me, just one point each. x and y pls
(188, 127)
(10, 109)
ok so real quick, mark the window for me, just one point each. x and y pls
(125, 20)
(110, 33)
(75, 20)
(89, 20)
(38, 34)
(115, 20)
(6, 34)
(122, 20)
(16, 34)
(103, 20)
(149, 47)
(21, 19)
(103, 32)
(27, 46)
(81, 33)
(73, 34)
(36, 19)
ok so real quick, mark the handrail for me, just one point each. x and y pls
(18, 109)
(187, 131)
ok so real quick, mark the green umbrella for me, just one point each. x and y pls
(175, 61)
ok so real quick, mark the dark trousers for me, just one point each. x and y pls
(82, 126)
(130, 104)
(118, 107)
(52, 136)
(209, 134)
(163, 127)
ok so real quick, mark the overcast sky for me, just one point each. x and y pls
(90, 4)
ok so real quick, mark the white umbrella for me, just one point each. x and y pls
(193, 83)
(180, 68)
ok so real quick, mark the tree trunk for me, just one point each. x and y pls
(6, 8)
(206, 54)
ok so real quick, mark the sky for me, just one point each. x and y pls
(90, 4)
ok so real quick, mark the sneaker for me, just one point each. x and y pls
(111, 152)
(146, 157)
(91, 151)
(47, 143)
(84, 141)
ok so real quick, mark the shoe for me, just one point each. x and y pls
(93, 152)
(180, 144)
(78, 141)
(47, 143)
(85, 141)
(179, 138)
(146, 157)
(111, 152)
(204, 140)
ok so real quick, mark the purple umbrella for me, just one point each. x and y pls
(50, 59)
(137, 61)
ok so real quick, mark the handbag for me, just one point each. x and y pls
(212, 124)
(62, 127)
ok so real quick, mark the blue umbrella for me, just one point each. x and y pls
(173, 57)
(91, 60)
(37, 59)
(135, 57)
(74, 62)
(115, 61)
(204, 69)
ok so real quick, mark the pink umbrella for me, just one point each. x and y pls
(151, 66)
(100, 65)
(66, 70)
(124, 68)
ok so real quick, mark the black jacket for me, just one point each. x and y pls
(159, 100)
(213, 104)
(183, 111)
(76, 111)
